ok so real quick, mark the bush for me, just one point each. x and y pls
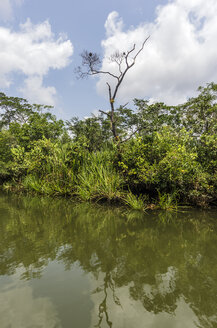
(48, 167)
(166, 162)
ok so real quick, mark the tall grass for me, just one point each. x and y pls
(46, 185)
(50, 169)
(136, 202)
(167, 201)
(98, 179)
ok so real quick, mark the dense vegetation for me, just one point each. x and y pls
(163, 155)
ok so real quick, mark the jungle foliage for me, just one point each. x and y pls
(162, 155)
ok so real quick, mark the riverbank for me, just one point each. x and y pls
(164, 156)
(164, 172)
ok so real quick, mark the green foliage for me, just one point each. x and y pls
(53, 166)
(199, 114)
(26, 122)
(21, 125)
(14, 109)
(38, 126)
(207, 152)
(166, 162)
(159, 150)
(93, 132)
(150, 118)
(6, 142)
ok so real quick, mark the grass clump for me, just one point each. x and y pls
(167, 201)
(136, 202)
(98, 180)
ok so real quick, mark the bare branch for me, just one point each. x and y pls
(91, 62)
(110, 92)
(81, 74)
(116, 57)
(125, 105)
(132, 134)
(142, 47)
(105, 113)
(104, 72)
(128, 53)
(128, 66)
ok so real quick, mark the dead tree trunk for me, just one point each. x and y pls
(125, 61)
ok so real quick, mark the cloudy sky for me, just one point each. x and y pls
(40, 43)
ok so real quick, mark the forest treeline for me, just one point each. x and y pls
(163, 155)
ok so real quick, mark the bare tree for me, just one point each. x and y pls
(91, 63)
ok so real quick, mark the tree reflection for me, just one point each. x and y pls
(103, 308)
(159, 262)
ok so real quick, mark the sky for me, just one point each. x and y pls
(41, 42)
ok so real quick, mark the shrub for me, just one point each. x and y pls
(166, 162)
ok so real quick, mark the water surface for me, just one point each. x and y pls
(78, 265)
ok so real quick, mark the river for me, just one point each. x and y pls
(65, 264)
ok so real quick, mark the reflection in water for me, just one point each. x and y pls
(20, 309)
(107, 286)
(132, 314)
(157, 270)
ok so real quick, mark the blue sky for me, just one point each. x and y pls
(40, 43)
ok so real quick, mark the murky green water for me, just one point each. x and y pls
(78, 265)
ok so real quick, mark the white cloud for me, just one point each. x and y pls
(37, 312)
(33, 87)
(180, 55)
(32, 52)
(114, 24)
(6, 8)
